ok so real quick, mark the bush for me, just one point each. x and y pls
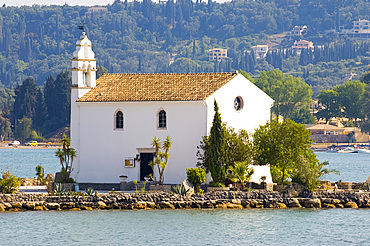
(40, 174)
(216, 184)
(9, 183)
(196, 176)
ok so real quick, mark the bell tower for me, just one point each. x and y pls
(83, 80)
(83, 66)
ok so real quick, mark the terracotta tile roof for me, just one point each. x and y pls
(156, 87)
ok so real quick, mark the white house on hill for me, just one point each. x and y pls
(114, 118)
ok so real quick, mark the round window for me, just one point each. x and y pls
(238, 103)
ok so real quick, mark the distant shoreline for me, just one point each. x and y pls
(3, 146)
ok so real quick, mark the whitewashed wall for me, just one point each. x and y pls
(256, 110)
(101, 150)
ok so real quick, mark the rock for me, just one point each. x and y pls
(207, 205)
(188, 187)
(139, 205)
(7, 205)
(84, 207)
(328, 205)
(256, 203)
(101, 205)
(351, 205)
(245, 203)
(197, 204)
(310, 203)
(365, 205)
(40, 208)
(166, 205)
(53, 206)
(236, 201)
(234, 206)
(280, 205)
(29, 205)
(16, 205)
(294, 189)
(293, 203)
(2, 207)
(151, 205)
(221, 205)
(67, 205)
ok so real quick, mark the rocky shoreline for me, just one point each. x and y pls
(163, 200)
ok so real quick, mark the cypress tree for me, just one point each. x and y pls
(215, 157)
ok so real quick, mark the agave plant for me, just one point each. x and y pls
(179, 189)
(90, 191)
(59, 191)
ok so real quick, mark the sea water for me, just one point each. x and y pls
(22, 163)
(353, 167)
(188, 227)
(185, 227)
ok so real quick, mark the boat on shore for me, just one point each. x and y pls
(364, 151)
(332, 150)
(348, 150)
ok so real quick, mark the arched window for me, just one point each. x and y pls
(162, 121)
(119, 120)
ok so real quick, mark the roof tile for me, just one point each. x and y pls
(156, 87)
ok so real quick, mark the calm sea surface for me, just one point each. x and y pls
(186, 227)
(22, 163)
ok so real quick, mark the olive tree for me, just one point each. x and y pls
(286, 147)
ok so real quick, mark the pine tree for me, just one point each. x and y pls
(58, 101)
(215, 157)
(25, 100)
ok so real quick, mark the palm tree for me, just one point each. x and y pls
(240, 173)
(161, 157)
(66, 157)
(156, 143)
(167, 144)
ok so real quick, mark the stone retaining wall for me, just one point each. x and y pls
(162, 200)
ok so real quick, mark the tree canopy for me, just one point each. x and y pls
(285, 146)
(292, 97)
(343, 101)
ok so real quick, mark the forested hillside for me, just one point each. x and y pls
(144, 36)
(169, 36)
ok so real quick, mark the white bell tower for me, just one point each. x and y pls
(83, 66)
(83, 80)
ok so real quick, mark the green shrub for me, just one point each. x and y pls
(40, 174)
(216, 184)
(9, 183)
(65, 177)
(196, 176)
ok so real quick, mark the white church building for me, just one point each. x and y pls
(115, 118)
